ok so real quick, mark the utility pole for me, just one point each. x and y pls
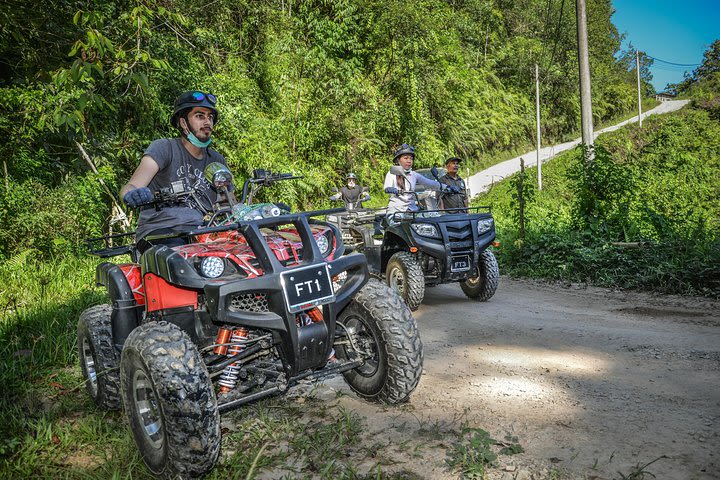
(637, 67)
(537, 122)
(584, 63)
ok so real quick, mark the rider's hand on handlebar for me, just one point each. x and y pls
(449, 188)
(139, 196)
(392, 190)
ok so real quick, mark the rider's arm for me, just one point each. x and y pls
(336, 196)
(389, 181)
(432, 184)
(144, 173)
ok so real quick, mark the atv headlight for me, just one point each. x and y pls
(323, 244)
(212, 267)
(425, 229)
(485, 225)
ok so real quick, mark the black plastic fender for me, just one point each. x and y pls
(126, 313)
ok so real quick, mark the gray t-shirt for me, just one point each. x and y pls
(177, 165)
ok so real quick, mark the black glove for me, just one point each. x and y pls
(392, 190)
(449, 189)
(139, 196)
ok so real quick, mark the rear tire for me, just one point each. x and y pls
(169, 401)
(404, 275)
(383, 328)
(483, 287)
(99, 361)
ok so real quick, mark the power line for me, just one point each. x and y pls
(673, 63)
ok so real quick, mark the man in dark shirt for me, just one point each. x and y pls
(176, 161)
(451, 178)
(353, 194)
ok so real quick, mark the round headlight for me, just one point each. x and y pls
(212, 267)
(323, 244)
(485, 225)
(425, 229)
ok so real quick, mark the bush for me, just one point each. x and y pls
(52, 220)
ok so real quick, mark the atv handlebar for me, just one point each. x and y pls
(262, 178)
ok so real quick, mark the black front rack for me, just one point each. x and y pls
(399, 216)
(112, 245)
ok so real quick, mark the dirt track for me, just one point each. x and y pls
(593, 382)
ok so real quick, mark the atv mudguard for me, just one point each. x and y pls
(126, 313)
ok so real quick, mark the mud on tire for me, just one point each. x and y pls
(404, 274)
(99, 360)
(382, 326)
(170, 402)
(483, 287)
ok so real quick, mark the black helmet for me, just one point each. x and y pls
(352, 176)
(453, 159)
(403, 149)
(192, 99)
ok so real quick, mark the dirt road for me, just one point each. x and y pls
(592, 382)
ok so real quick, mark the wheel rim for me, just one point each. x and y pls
(89, 361)
(396, 279)
(366, 343)
(146, 409)
(473, 281)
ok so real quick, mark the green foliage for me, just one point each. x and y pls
(709, 67)
(315, 87)
(473, 453)
(53, 220)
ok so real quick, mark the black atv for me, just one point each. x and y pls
(256, 301)
(413, 249)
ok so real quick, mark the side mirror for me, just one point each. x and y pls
(435, 174)
(218, 175)
(334, 190)
(365, 189)
(397, 170)
(260, 174)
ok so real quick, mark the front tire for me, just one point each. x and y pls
(99, 360)
(483, 287)
(404, 275)
(169, 401)
(382, 328)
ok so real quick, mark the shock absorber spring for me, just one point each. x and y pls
(222, 338)
(229, 377)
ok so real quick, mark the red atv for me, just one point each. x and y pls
(256, 301)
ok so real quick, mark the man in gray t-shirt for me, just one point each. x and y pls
(176, 161)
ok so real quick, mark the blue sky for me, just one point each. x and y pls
(675, 31)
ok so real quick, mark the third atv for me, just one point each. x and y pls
(430, 247)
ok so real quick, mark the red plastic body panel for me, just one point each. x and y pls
(134, 278)
(162, 295)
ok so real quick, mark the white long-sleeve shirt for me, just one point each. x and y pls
(406, 202)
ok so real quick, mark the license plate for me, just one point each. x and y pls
(460, 263)
(307, 287)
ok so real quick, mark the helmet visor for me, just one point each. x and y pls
(198, 97)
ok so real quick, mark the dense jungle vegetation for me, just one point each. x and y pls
(317, 87)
